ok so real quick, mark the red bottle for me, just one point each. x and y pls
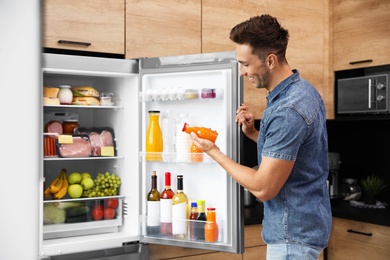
(166, 207)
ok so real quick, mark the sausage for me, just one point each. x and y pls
(54, 127)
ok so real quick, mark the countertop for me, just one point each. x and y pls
(341, 209)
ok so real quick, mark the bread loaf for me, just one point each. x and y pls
(85, 91)
(50, 92)
(85, 101)
(51, 101)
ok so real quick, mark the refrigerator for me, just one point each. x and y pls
(177, 85)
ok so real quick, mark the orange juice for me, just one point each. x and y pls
(154, 141)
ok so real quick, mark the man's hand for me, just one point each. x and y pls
(246, 120)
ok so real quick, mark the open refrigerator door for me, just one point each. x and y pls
(108, 143)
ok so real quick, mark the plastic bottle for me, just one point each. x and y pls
(153, 208)
(193, 216)
(169, 134)
(179, 211)
(154, 140)
(166, 207)
(202, 132)
(201, 220)
(196, 153)
(183, 141)
(211, 227)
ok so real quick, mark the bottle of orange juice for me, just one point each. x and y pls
(154, 140)
(202, 132)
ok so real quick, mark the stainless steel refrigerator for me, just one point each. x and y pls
(203, 90)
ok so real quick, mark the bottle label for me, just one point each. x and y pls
(166, 210)
(153, 208)
(179, 222)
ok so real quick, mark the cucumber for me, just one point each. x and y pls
(77, 211)
(77, 219)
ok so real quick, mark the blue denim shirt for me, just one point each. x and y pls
(293, 128)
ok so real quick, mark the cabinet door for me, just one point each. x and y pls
(361, 33)
(156, 28)
(308, 45)
(358, 240)
(88, 25)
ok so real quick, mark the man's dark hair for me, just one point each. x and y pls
(264, 34)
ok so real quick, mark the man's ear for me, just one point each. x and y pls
(272, 60)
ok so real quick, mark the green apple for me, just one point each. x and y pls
(75, 191)
(86, 175)
(87, 183)
(74, 178)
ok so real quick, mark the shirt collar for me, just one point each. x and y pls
(283, 85)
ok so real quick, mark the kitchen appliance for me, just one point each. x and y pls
(334, 165)
(363, 95)
(140, 86)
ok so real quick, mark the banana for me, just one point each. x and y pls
(64, 189)
(47, 192)
(57, 186)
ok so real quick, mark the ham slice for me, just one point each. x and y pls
(54, 127)
(106, 138)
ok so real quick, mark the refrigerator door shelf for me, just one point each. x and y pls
(179, 94)
(176, 157)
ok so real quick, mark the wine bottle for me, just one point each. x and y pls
(166, 207)
(153, 208)
(200, 220)
(179, 211)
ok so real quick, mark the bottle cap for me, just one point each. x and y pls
(201, 202)
(194, 205)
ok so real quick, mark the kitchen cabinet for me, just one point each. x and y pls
(308, 49)
(361, 33)
(156, 28)
(358, 240)
(87, 25)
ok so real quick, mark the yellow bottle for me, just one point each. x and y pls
(154, 140)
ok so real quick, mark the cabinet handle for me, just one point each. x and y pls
(359, 232)
(73, 42)
(359, 61)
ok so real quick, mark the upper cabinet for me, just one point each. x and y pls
(156, 28)
(361, 33)
(87, 25)
(308, 51)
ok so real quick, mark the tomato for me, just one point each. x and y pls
(112, 203)
(109, 213)
(97, 212)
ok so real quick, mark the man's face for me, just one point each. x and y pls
(252, 67)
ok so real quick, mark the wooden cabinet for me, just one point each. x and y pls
(358, 240)
(308, 49)
(156, 28)
(255, 247)
(361, 33)
(87, 25)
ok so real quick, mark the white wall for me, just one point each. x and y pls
(20, 35)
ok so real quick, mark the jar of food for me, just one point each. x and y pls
(208, 93)
(65, 95)
(69, 125)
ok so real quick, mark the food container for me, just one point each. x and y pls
(69, 125)
(65, 95)
(102, 140)
(107, 99)
(208, 93)
(191, 94)
(73, 146)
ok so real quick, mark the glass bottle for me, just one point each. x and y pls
(202, 132)
(193, 215)
(201, 220)
(211, 227)
(154, 140)
(179, 211)
(166, 207)
(183, 141)
(196, 153)
(153, 208)
(169, 135)
(65, 95)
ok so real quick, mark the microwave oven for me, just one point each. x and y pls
(363, 95)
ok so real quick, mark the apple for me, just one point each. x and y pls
(85, 175)
(74, 178)
(75, 191)
(87, 183)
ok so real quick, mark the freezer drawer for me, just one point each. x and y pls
(127, 252)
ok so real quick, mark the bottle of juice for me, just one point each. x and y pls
(211, 227)
(202, 132)
(154, 140)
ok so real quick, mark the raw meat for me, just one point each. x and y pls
(54, 127)
(79, 148)
(96, 143)
(106, 138)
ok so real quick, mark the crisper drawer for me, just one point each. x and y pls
(77, 217)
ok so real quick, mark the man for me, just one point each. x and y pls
(291, 142)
